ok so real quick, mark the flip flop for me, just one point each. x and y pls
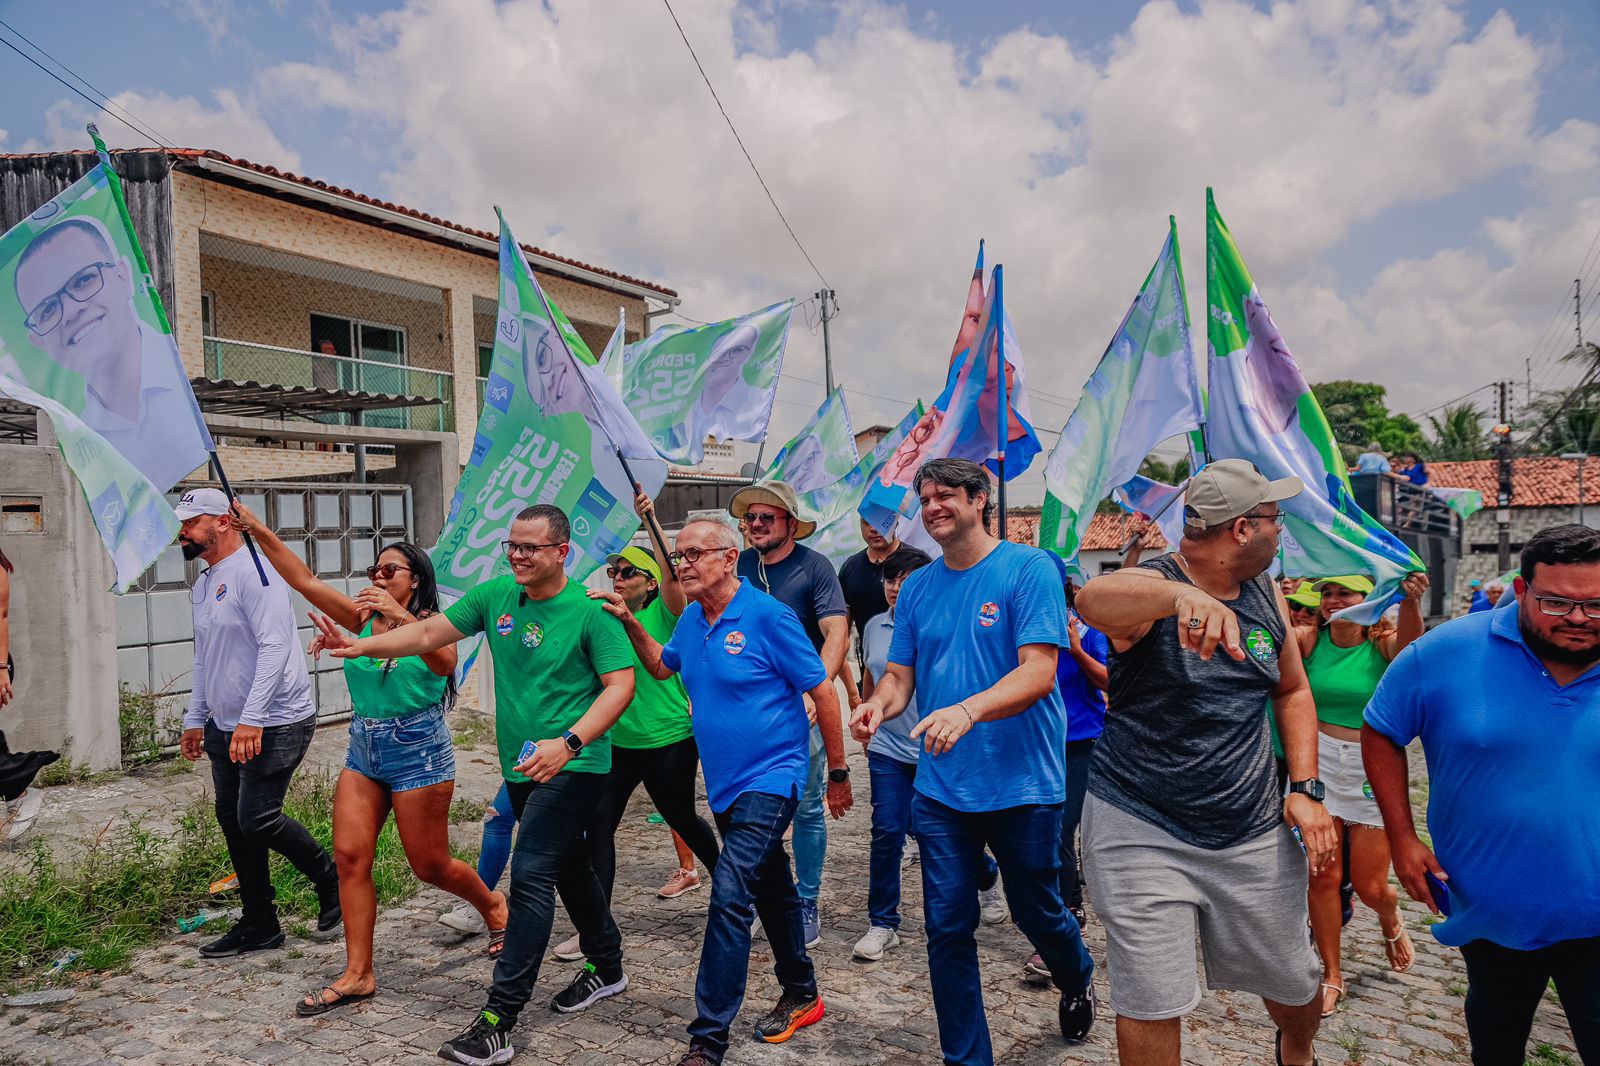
(497, 943)
(1393, 942)
(323, 1004)
(1337, 999)
(1277, 1049)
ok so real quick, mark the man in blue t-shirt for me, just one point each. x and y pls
(749, 668)
(803, 580)
(1512, 786)
(976, 638)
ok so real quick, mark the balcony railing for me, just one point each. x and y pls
(1403, 507)
(232, 360)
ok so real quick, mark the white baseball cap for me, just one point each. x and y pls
(202, 501)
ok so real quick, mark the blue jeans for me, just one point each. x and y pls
(1079, 754)
(893, 785)
(753, 869)
(1026, 842)
(495, 851)
(811, 824)
(407, 751)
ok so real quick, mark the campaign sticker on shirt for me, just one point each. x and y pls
(733, 643)
(222, 590)
(532, 635)
(1259, 641)
(988, 614)
(502, 625)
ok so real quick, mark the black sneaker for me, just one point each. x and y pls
(485, 1043)
(1077, 1015)
(330, 915)
(699, 1056)
(792, 1013)
(587, 989)
(242, 938)
(1080, 916)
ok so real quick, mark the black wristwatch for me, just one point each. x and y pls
(839, 776)
(573, 741)
(1311, 788)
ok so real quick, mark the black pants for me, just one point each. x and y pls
(668, 775)
(1503, 990)
(550, 858)
(1079, 754)
(250, 812)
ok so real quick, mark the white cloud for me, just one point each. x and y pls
(891, 151)
(228, 124)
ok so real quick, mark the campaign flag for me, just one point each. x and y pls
(1153, 501)
(611, 358)
(1144, 391)
(1261, 409)
(685, 385)
(1464, 502)
(549, 432)
(821, 453)
(834, 507)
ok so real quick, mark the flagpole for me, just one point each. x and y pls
(1003, 408)
(249, 542)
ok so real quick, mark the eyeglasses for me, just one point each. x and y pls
(1561, 606)
(766, 519)
(82, 287)
(515, 548)
(625, 573)
(387, 570)
(694, 555)
(1276, 517)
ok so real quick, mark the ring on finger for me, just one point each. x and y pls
(1194, 623)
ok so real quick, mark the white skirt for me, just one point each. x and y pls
(1349, 796)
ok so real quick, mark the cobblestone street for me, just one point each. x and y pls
(171, 1008)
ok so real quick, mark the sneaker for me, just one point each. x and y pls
(242, 938)
(586, 989)
(1080, 916)
(698, 1056)
(1034, 971)
(330, 915)
(1077, 1015)
(992, 905)
(568, 950)
(680, 882)
(811, 922)
(792, 1013)
(485, 1043)
(20, 813)
(463, 918)
(878, 939)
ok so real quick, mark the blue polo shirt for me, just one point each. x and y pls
(1513, 765)
(959, 631)
(745, 676)
(1085, 704)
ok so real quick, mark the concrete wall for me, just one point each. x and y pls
(63, 618)
(1480, 556)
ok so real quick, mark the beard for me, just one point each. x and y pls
(1550, 651)
(191, 549)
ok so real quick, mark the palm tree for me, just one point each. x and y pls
(1458, 433)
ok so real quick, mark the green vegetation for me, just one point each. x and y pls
(472, 730)
(1547, 1055)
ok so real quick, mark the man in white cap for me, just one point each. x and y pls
(1184, 830)
(804, 581)
(251, 712)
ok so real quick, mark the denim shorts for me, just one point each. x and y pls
(405, 752)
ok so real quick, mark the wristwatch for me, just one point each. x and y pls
(1311, 788)
(573, 741)
(839, 776)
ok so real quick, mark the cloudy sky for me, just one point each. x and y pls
(1414, 183)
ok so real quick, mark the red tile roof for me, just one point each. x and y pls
(1107, 532)
(351, 194)
(1536, 481)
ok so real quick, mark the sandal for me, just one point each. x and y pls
(1391, 948)
(1339, 990)
(1277, 1049)
(323, 1004)
(497, 943)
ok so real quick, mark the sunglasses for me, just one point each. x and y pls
(624, 573)
(768, 519)
(385, 571)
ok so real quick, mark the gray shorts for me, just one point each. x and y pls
(1153, 893)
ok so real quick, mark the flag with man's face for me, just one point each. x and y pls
(821, 453)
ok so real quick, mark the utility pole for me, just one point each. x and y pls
(830, 310)
(1503, 501)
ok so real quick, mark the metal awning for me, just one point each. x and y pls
(255, 399)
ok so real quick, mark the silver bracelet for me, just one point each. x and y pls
(971, 721)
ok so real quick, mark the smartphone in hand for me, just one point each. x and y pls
(1440, 893)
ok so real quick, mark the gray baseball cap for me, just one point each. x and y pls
(1228, 488)
(201, 501)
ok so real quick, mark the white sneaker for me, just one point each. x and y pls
(568, 950)
(992, 905)
(463, 918)
(877, 940)
(20, 813)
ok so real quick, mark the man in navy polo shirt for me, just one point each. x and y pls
(747, 662)
(1512, 786)
(976, 637)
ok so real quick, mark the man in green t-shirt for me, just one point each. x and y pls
(563, 674)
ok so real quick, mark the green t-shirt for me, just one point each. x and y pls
(406, 686)
(548, 658)
(659, 713)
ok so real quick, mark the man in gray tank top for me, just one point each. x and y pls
(1184, 832)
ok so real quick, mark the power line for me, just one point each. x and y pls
(1457, 399)
(742, 148)
(104, 104)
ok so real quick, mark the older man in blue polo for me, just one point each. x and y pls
(747, 663)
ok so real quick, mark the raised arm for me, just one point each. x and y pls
(671, 589)
(1411, 624)
(1124, 606)
(419, 638)
(321, 595)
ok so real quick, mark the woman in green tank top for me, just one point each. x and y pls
(1344, 663)
(399, 758)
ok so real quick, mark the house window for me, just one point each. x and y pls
(485, 359)
(356, 356)
(208, 315)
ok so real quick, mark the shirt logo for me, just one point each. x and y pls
(733, 643)
(988, 614)
(1259, 641)
(532, 635)
(502, 625)
(222, 590)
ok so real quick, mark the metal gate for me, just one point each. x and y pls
(337, 528)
